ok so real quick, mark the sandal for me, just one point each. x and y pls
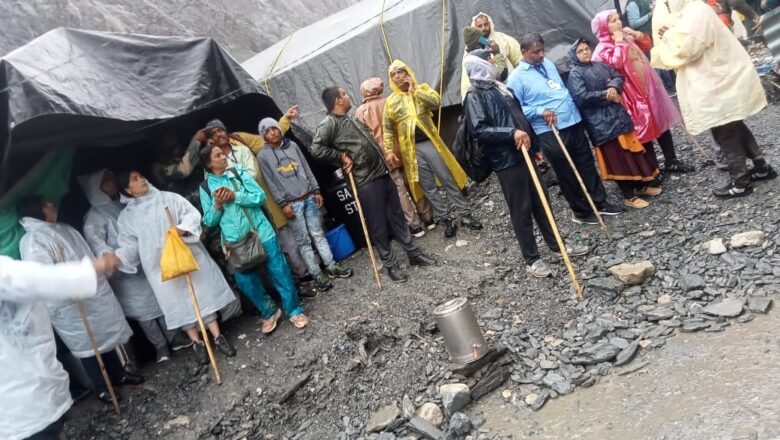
(300, 320)
(636, 203)
(269, 324)
(649, 191)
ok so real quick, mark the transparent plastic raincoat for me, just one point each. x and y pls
(103, 311)
(33, 385)
(101, 231)
(142, 228)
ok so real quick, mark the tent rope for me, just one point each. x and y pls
(441, 72)
(384, 35)
(267, 78)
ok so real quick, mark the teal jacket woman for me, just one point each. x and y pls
(230, 197)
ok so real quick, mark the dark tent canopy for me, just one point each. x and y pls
(349, 46)
(74, 89)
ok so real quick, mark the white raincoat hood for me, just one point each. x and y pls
(90, 183)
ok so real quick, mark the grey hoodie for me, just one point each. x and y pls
(286, 172)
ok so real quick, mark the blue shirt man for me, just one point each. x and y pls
(539, 87)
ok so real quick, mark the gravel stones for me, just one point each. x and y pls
(727, 308)
(746, 239)
(659, 314)
(605, 286)
(425, 429)
(689, 282)
(626, 354)
(454, 397)
(633, 274)
(431, 413)
(596, 354)
(714, 247)
(558, 383)
(759, 304)
(459, 426)
(693, 325)
(383, 418)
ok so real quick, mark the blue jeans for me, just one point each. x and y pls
(251, 284)
(307, 228)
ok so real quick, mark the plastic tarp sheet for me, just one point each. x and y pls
(73, 88)
(348, 47)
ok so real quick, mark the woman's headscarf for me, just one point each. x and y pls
(600, 25)
(478, 68)
(573, 50)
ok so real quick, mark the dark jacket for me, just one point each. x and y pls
(343, 134)
(492, 119)
(588, 84)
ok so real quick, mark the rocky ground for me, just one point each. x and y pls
(373, 360)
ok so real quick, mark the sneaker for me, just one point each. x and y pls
(105, 397)
(539, 269)
(224, 346)
(338, 271)
(163, 355)
(397, 274)
(731, 191)
(610, 209)
(300, 320)
(766, 173)
(201, 356)
(417, 232)
(636, 203)
(574, 250)
(677, 166)
(269, 324)
(587, 219)
(323, 282)
(430, 225)
(307, 292)
(470, 222)
(180, 341)
(130, 379)
(449, 228)
(649, 191)
(422, 260)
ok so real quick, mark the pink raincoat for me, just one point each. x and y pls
(653, 111)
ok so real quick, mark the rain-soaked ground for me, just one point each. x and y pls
(700, 386)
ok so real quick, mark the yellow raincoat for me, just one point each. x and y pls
(404, 112)
(507, 45)
(716, 80)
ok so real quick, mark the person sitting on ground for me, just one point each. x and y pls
(505, 48)
(497, 122)
(409, 119)
(547, 103)
(33, 383)
(371, 112)
(294, 188)
(651, 108)
(49, 242)
(711, 97)
(342, 141)
(596, 87)
(133, 291)
(143, 225)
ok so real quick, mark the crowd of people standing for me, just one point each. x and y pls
(408, 182)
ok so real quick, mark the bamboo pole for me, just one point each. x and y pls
(92, 341)
(365, 229)
(548, 211)
(203, 332)
(582, 184)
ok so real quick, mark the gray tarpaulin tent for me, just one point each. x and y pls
(347, 47)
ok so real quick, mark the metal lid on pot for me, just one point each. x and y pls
(450, 307)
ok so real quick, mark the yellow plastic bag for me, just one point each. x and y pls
(176, 259)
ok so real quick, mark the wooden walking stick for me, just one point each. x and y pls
(365, 229)
(91, 336)
(561, 245)
(203, 332)
(582, 184)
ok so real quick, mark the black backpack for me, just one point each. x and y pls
(468, 152)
